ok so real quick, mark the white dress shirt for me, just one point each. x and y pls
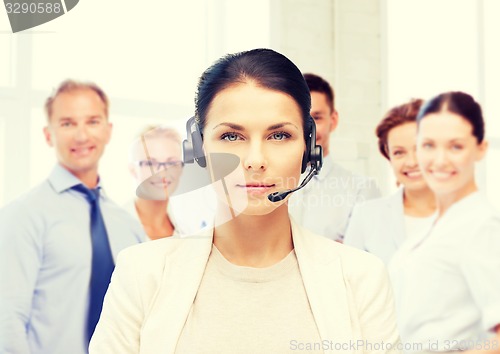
(380, 226)
(187, 227)
(45, 262)
(325, 204)
(418, 227)
(447, 283)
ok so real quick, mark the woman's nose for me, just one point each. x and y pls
(255, 159)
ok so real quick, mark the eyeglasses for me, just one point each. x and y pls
(156, 165)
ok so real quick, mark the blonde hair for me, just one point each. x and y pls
(160, 131)
(71, 86)
(155, 131)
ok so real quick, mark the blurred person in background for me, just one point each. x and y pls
(58, 241)
(156, 166)
(447, 282)
(380, 226)
(325, 204)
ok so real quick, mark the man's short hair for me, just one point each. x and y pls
(73, 85)
(318, 84)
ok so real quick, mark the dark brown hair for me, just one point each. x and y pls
(396, 116)
(459, 103)
(317, 84)
(265, 67)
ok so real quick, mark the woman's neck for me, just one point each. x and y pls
(419, 203)
(445, 201)
(154, 217)
(255, 240)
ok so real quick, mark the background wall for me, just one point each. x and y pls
(341, 41)
(148, 56)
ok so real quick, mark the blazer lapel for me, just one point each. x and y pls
(172, 303)
(325, 287)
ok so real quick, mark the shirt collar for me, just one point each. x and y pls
(61, 180)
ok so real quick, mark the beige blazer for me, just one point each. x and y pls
(155, 283)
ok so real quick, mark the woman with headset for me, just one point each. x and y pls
(447, 282)
(380, 226)
(258, 282)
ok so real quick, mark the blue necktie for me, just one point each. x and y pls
(102, 259)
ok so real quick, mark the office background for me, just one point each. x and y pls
(148, 55)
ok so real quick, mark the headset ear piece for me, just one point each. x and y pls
(317, 157)
(199, 154)
(187, 152)
(314, 153)
(192, 147)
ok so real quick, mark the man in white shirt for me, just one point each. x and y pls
(325, 204)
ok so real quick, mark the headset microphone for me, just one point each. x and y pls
(279, 196)
(313, 156)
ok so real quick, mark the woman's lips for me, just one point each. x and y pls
(442, 175)
(256, 188)
(413, 174)
(161, 183)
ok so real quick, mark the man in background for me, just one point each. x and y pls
(325, 204)
(58, 242)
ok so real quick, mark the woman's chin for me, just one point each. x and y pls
(255, 207)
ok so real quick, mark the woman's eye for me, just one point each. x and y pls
(280, 136)
(456, 147)
(229, 137)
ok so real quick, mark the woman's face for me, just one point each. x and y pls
(157, 166)
(264, 129)
(401, 146)
(447, 152)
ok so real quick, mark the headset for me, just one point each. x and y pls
(192, 147)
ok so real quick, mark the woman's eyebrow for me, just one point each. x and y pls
(281, 125)
(241, 128)
(230, 125)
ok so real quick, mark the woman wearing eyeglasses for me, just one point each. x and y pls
(258, 283)
(156, 166)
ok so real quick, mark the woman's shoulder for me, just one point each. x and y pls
(357, 262)
(153, 255)
(354, 262)
(361, 271)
